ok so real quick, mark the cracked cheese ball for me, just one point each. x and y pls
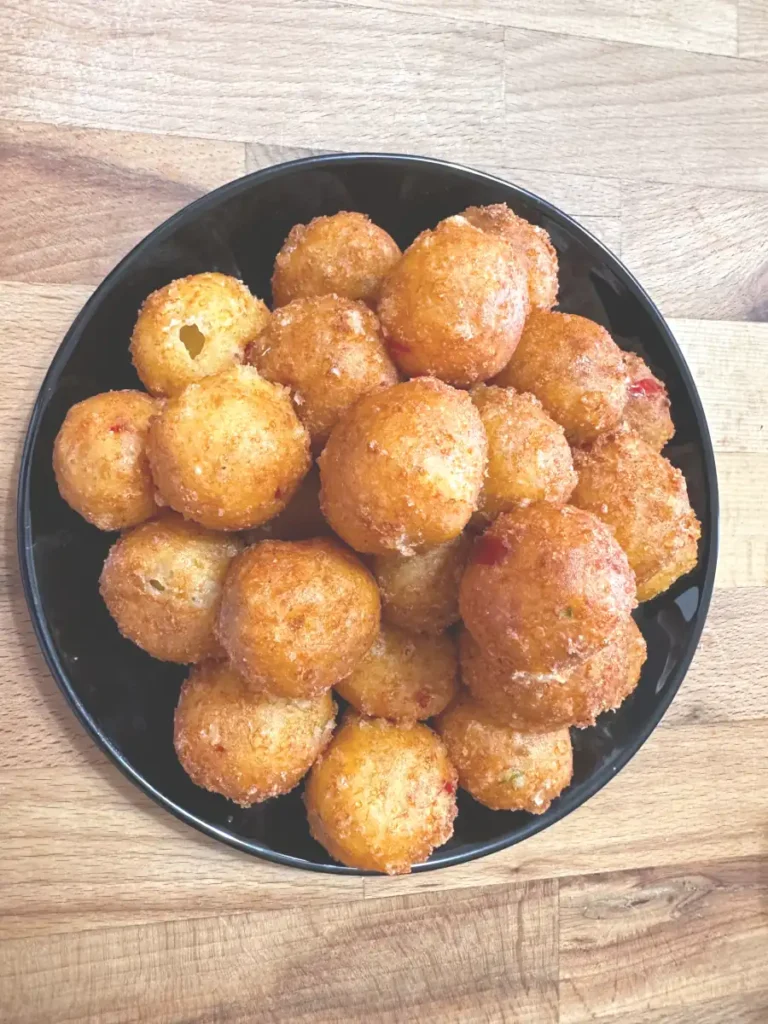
(529, 458)
(644, 500)
(574, 696)
(194, 327)
(403, 677)
(346, 254)
(575, 369)
(228, 452)
(502, 768)
(100, 459)
(327, 351)
(245, 745)
(455, 304)
(529, 242)
(382, 796)
(403, 468)
(162, 583)
(546, 586)
(647, 409)
(421, 592)
(298, 616)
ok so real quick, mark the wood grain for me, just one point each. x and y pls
(635, 112)
(74, 202)
(645, 941)
(482, 955)
(753, 29)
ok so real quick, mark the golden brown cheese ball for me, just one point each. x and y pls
(194, 327)
(644, 500)
(403, 468)
(247, 746)
(575, 369)
(297, 616)
(327, 351)
(100, 459)
(403, 676)
(346, 254)
(162, 584)
(546, 586)
(529, 242)
(502, 768)
(382, 796)
(529, 458)
(229, 452)
(647, 409)
(421, 592)
(573, 696)
(455, 305)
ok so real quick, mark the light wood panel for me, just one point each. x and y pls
(635, 112)
(74, 202)
(753, 29)
(714, 244)
(296, 73)
(642, 942)
(710, 26)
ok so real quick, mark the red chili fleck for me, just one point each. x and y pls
(278, 494)
(118, 428)
(646, 387)
(422, 698)
(398, 348)
(489, 550)
(449, 787)
(218, 747)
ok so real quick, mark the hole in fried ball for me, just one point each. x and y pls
(193, 339)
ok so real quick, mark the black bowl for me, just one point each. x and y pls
(125, 698)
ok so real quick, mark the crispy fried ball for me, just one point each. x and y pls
(346, 254)
(644, 500)
(327, 351)
(455, 305)
(575, 369)
(246, 745)
(647, 409)
(529, 458)
(421, 592)
(546, 587)
(529, 242)
(403, 468)
(229, 452)
(382, 796)
(194, 327)
(572, 697)
(404, 677)
(297, 616)
(162, 584)
(502, 768)
(100, 459)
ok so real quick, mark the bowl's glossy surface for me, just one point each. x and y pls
(124, 697)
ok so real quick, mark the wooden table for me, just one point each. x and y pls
(650, 904)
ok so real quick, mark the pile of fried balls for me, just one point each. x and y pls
(412, 483)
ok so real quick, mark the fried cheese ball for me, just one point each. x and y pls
(193, 327)
(529, 242)
(644, 500)
(247, 746)
(647, 409)
(162, 583)
(546, 586)
(573, 697)
(100, 459)
(455, 304)
(346, 254)
(327, 351)
(502, 768)
(575, 369)
(298, 616)
(421, 592)
(529, 458)
(228, 452)
(403, 677)
(403, 468)
(382, 796)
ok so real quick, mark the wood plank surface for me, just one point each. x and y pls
(753, 29)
